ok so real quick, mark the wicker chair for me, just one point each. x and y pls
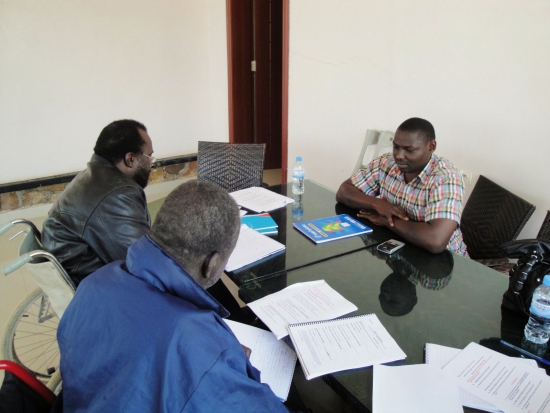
(231, 166)
(544, 232)
(492, 216)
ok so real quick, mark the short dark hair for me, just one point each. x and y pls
(196, 219)
(118, 138)
(424, 128)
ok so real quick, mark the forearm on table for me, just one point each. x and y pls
(433, 236)
(353, 197)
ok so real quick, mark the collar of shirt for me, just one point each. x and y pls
(422, 177)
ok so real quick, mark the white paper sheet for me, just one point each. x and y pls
(300, 303)
(275, 360)
(260, 199)
(510, 386)
(441, 355)
(418, 388)
(251, 246)
(345, 343)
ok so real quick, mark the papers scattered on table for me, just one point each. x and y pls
(274, 359)
(251, 246)
(300, 303)
(500, 380)
(417, 388)
(260, 199)
(345, 343)
(332, 228)
(441, 355)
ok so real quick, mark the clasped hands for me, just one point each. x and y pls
(383, 214)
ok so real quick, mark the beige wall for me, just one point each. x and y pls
(478, 70)
(68, 68)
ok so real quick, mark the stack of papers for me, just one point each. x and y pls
(492, 381)
(274, 359)
(502, 381)
(300, 303)
(440, 356)
(481, 378)
(260, 199)
(251, 247)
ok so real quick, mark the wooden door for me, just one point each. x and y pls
(255, 39)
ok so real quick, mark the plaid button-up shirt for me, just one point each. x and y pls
(436, 193)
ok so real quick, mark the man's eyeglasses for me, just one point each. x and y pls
(153, 159)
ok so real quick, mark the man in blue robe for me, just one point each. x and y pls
(143, 335)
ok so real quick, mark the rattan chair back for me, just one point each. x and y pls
(232, 166)
(544, 232)
(492, 216)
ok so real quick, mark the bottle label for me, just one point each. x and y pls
(540, 308)
(298, 174)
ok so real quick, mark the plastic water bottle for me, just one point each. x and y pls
(298, 177)
(537, 329)
(297, 207)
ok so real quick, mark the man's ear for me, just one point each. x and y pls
(130, 159)
(210, 266)
(432, 145)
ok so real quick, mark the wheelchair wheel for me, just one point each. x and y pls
(30, 338)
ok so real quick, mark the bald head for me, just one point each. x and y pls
(198, 225)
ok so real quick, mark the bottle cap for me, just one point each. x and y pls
(298, 159)
(546, 280)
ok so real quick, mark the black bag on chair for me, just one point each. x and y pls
(533, 264)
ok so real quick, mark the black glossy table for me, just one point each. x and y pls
(317, 202)
(419, 297)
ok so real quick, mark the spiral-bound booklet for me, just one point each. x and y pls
(326, 347)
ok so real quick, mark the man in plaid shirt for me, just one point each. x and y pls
(415, 193)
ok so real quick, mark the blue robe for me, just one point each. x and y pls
(143, 336)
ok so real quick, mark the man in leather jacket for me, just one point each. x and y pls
(104, 209)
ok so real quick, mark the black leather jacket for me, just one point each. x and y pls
(94, 221)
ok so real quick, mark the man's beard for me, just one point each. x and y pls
(142, 176)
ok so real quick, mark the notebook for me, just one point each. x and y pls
(325, 347)
(332, 228)
(262, 223)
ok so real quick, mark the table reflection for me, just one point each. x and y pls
(412, 267)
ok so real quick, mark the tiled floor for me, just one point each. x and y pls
(15, 287)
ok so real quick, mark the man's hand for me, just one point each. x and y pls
(247, 351)
(353, 197)
(373, 217)
(383, 213)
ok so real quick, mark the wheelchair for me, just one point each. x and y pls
(30, 338)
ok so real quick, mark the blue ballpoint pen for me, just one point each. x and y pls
(526, 353)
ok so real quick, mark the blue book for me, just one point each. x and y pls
(263, 223)
(332, 228)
